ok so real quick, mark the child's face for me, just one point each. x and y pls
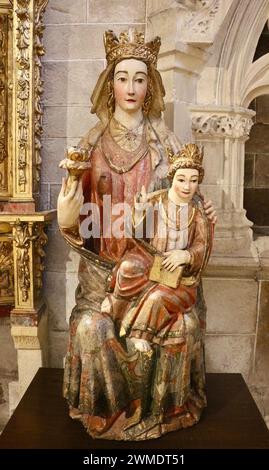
(185, 183)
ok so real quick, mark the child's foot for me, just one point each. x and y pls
(141, 344)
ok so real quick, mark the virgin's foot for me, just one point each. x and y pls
(74, 413)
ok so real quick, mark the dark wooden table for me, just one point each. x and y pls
(231, 420)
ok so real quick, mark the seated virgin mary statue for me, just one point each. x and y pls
(117, 388)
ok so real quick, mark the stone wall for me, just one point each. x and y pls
(256, 193)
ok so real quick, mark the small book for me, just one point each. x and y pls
(160, 274)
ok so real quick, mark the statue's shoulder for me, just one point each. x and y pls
(164, 135)
(158, 126)
(93, 135)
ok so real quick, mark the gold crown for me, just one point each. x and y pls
(131, 44)
(190, 156)
(189, 153)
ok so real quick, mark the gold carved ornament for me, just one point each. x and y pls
(6, 271)
(3, 104)
(23, 88)
(39, 51)
(39, 253)
(22, 240)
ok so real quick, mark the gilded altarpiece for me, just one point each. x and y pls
(5, 101)
(22, 235)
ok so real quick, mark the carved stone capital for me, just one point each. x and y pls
(230, 124)
(202, 19)
(201, 14)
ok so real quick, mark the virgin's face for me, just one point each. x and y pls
(130, 84)
(185, 183)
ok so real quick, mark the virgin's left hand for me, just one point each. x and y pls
(175, 258)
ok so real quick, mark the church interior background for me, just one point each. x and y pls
(214, 62)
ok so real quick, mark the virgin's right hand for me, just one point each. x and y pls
(69, 205)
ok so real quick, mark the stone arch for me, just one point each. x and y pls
(238, 50)
(257, 80)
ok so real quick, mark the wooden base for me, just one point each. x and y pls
(231, 420)
(5, 310)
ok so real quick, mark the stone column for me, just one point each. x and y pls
(179, 62)
(223, 132)
(179, 65)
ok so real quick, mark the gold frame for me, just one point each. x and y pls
(24, 88)
(22, 121)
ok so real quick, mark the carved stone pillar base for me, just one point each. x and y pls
(233, 233)
(31, 342)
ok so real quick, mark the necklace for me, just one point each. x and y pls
(133, 130)
(125, 137)
(119, 159)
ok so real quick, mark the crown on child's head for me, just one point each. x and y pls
(189, 153)
(131, 45)
(190, 156)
